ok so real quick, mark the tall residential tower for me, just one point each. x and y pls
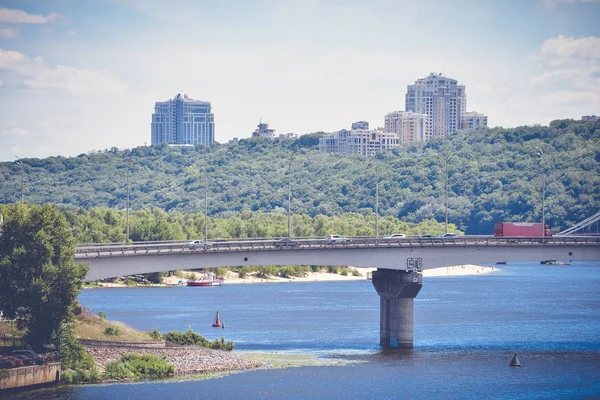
(183, 120)
(442, 99)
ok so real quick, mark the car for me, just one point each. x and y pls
(448, 235)
(217, 241)
(194, 244)
(426, 236)
(337, 239)
(286, 242)
(395, 236)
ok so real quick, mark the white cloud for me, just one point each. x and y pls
(21, 17)
(8, 33)
(554, 3)
(36, 74)
(568, 47)
(11, 129)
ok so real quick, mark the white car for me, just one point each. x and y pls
(194, 244)
(395, 236)
(335, 239)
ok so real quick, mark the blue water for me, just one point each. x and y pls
(466, 331)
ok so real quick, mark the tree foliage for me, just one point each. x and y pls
(493, 175)
(39, 280)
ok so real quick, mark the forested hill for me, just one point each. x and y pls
(493, 175)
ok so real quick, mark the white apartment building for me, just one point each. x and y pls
(442, 99)
(183, 120)
(407, 125)
(358, 141)
(473, 120)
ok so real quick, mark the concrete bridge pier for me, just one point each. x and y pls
(396, 290)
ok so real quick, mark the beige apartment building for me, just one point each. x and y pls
(407, 125)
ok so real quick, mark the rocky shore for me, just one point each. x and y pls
(187, 360)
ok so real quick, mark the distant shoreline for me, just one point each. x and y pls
(233, 278)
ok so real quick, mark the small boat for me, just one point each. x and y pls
(217, 322)
(209, 280)
(205, 282)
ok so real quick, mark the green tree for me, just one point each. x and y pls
(39, 280)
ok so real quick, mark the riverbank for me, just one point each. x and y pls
(187, 360)
(361, 274)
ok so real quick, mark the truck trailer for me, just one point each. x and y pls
(520, 229)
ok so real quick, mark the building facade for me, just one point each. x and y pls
(358, 141)
(183, 120)
(442, 99)
(474, 120)
(407, 125)
(263, 130)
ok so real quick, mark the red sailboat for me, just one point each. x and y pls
(217, 322)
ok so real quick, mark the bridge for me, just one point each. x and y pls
(399, 262)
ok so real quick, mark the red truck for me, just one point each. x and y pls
(520, 229)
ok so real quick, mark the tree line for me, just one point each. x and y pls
(492, 175)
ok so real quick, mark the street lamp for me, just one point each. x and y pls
(127, 205)
(289, 226)
(446, 190)
(206, 203)
(541, 154)
(22, 177)
(376, 200)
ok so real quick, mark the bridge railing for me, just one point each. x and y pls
(120, 249)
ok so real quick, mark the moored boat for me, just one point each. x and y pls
(209, 280)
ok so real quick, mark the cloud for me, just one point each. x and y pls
(11, 129)
(15, 16)
(554, 3)
(7, 33)
(35, 73)
(588, 47)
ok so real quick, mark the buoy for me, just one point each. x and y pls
(515, 361)
(217, 322)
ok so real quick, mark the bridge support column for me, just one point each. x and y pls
(396, 290)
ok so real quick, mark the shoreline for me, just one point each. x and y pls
(233, 278)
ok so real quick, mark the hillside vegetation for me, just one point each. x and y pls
(493, 175)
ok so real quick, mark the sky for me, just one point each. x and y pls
(83, 75)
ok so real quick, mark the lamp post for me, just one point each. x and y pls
(446, 191)
(22, 178)
(206, 204)
(541, 154)
(289, 226)
(376, 200)
(127, 205)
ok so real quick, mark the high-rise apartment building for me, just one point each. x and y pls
(408, 125)
(442, 99)
(183, 120)
(474, 120)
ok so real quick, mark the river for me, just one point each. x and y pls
(466, 331)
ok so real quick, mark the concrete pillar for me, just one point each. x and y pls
(396, 290)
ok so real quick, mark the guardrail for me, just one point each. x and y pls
(154, 248)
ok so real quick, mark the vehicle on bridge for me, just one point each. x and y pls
(448, 235)
(286, 242)
(195, 244)
(395, 236)
(337, 239)
(520, 229)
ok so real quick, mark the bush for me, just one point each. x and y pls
(156, 334)
(4, 373)
(112, 331)
(333, 269)
(101, 315)
(136, 366)
(356, 272)
(191, 338)
(155, 277)
(344, 271)
(80, 376)
(129, 282)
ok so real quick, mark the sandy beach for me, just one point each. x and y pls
(233, 278)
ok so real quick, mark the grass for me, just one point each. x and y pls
(92, 327)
